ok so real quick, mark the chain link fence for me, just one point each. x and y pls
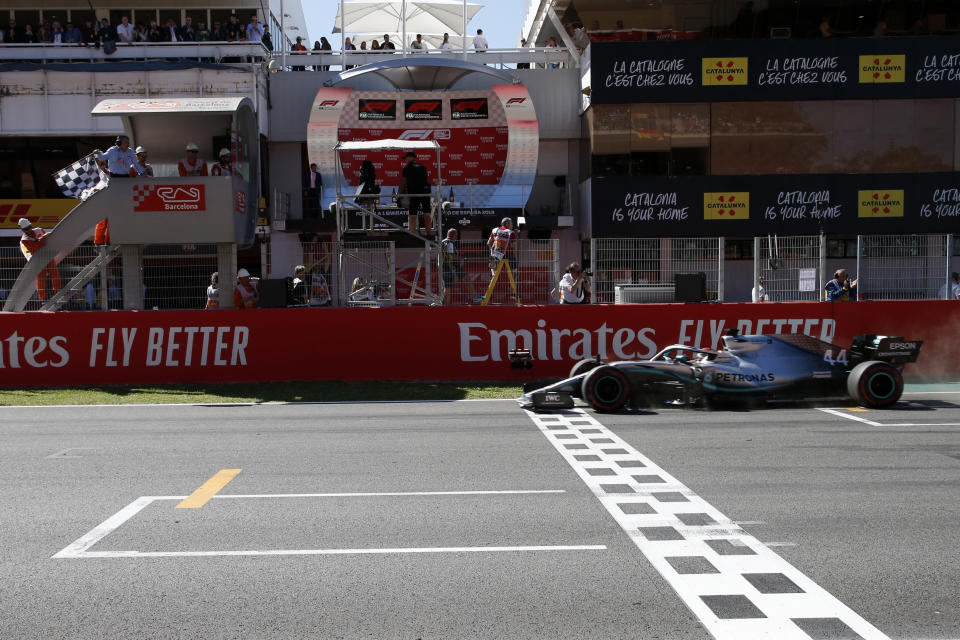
(367, 274)
(101, 292)
(902, 267)
(631, 270)
(177, 276)
(789, 268)
(535, 265)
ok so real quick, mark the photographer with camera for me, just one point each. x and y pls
(574, 285)
(841, 289)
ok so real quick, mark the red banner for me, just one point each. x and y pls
(450, 343)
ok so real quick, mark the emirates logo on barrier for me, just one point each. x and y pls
(185, 197)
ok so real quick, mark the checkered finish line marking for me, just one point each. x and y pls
(737, 587)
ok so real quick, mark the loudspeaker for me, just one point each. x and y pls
(273, 293)
(690, 287)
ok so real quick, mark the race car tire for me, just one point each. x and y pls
(606, 388)
(875, 384)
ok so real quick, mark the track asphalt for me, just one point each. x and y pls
(478, 520)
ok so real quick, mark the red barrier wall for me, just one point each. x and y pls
(452, 343)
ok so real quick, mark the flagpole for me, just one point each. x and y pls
(463, 31)
(403, 26)
(343, 29)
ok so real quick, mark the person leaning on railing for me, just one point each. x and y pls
(841, 289)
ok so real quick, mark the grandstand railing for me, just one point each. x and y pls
(228, 52)
(498, 58)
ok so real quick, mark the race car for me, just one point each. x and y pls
(749, 367)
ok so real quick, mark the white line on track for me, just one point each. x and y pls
(387, 494)
(872, 423)
(737, 586)
(271, 403)
(329, 552)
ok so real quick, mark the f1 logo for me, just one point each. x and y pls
(377, 106)
(516, 101)
(329, 104)
(424, 134)
(473, 105)
(423, 107)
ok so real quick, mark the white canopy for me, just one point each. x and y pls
(380, 145)
(428, 17)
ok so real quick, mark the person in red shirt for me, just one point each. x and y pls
(300, 50)
(30, 242)
(245, 295)
(192, 165)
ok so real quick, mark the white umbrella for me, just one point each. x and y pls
(433, 17)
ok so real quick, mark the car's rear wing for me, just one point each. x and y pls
(893, 349)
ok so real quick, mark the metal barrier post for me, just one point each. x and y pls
(721, 251)
(823, 265)
(859, 257)
(756, 266)
(949, 272)
(132, 255)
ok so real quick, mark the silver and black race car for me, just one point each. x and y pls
(792, 367)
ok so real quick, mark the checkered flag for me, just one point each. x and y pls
(81, 179)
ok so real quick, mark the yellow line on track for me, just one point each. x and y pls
(858, 409)
(208, 489)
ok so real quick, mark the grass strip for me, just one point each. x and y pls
(258, 392)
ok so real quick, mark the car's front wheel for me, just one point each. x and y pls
(606, 388)
(875, 384)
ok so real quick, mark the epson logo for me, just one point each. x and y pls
(903, 346)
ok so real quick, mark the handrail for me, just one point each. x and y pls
(213, 50)
(495, 57)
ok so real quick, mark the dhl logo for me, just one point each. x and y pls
(725, 71)
(880, 204)
(880, 69)
(42, 213)
(726, 206)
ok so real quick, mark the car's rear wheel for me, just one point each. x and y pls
(875, 384)
(606, 388)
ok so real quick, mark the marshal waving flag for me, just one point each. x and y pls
(81, 179)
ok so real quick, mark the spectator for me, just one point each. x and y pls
(153, 32)
(840, 289)
(523, 45)
(553, 46)
(246, 294)
(254, 30)
(319, 295)
(369, 190)
(90, 296)
(954, 288)
(880, 29)
(825, 30)
(759, 292)
(27, 36)
(418, 44)
(88, 34)
(453, 268)
(387, 44)
(12, 34)
(312, 190)
(217, 32)
(501, 243)
(147, 169)
(324, 46)
(361, 291)
(188, 32)
(43, 34)
(580, 38)
(374, 46)
(232, 29)
(213, 292)
(363, 45)
(125, 31)
(349, 46)
(106, 33)
(298, 49)
(119, 159)
(192, 165)
(415, 181)
(298, 287)
(31, 241)
(56, 35)
(479, 42)
(267, 41)
(574, 285)
(445, 45)
(71, 34)
(223, 166)
(170, 32)
(140, 33)
(202, 34)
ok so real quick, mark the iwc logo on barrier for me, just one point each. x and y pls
(726, 206)
(182, 197)
(880, 69)
(725, 71)
(885, 203)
